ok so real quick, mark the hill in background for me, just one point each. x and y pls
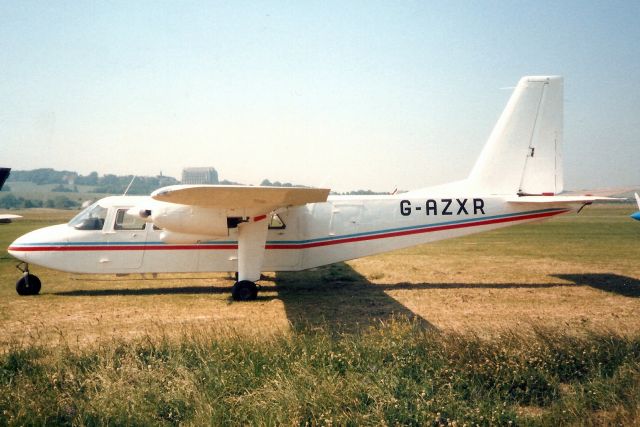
(51, 188)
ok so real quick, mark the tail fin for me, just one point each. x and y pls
(4, 174)
(523, 154)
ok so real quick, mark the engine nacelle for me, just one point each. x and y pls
(195, 220)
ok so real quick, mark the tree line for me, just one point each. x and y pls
(110, 184)
(10, 201)
(68, 181)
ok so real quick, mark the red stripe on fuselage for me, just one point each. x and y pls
(116, 248)
(430, 229)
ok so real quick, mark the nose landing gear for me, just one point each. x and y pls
(28, 284)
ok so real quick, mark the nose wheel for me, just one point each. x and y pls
(28, 284)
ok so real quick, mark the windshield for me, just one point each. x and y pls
(92, 218)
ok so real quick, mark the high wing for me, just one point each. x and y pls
(208, 209)
(252, 200)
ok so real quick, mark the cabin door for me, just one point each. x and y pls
(125, 242)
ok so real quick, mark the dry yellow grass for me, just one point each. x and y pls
(493, 294)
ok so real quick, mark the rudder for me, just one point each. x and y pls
(523, 154)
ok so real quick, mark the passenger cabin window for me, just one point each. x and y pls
(124, 221)
(92, 218)
(276, 223)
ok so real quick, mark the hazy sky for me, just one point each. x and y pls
(342, 94)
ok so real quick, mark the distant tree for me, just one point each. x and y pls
(6, 188)
(9, 202)
(62, 189)
(266, 182)
(42, 176)
(108, 180)
(227, 182)
(108, 184)
(63, 202)
(91, 179)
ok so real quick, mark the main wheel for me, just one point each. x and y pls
(28, 285)
(244, 290)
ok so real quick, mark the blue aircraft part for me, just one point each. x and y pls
(636, 216)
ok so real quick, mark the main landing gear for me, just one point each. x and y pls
(28, 284)
(252, 236)
(244, 290)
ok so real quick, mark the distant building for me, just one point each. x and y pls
(199, 176)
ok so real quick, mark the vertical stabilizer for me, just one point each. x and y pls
(524, 152)
(4, 174)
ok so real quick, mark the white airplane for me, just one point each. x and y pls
(204, 228)
(6, 218)
(636, 215)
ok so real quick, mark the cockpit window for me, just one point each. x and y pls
(124, 221)
(92, 218)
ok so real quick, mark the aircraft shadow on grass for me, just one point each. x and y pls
(335, 296)
(339, 297)
(609, 282)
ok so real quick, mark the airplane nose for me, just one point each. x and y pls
(17, 248)
(31, 246)
(636, 216)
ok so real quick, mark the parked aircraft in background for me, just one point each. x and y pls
(204, 228)
(4, 174)
(636, 215)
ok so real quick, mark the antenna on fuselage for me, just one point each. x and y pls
(129, 186)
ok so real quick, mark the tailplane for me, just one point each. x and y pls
(524, 152)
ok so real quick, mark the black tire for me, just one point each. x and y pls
(28, 285)
(244, 290)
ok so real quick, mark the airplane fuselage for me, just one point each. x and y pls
(343, 228)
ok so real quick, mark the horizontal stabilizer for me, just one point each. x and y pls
(238, 197)
(560, 199)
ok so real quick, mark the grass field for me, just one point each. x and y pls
(535, 324)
